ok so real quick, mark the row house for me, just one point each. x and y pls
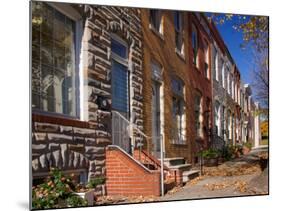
(232, 100)
(112, 86)
(177, 82)
(86, 64)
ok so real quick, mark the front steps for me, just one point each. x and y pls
(179, 170)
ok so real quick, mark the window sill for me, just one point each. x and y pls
(156, 32)
(180, 55)
(54, 118)
(178, 143)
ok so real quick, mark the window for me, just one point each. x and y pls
(178, 126)
(156, 20)
(206, 59)
(179, 31)
(228, 82)
(207, 115)
(223, 122)
(217, 118)
(195, 45)
(198, 111)
(156, 72)
(222, 74)
(54, 77)
(229, 124)
(216, 65)
(232, 87)
(119, 76)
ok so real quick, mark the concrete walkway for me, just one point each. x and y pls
(211, 187)
(246, 177)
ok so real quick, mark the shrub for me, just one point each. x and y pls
(248, 145)
(95, 182)
(226, 153)
(210, 153)
(56, 192)
(229, 152)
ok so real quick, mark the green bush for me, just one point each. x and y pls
(229, 152)
(226, 153)
(95, 182)
(209, 153)
(248, 145)
(56, 192)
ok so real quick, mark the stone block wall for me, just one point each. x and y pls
(69, 145)
(100, 23)
(79, 143)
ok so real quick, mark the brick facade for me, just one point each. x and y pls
(126, 176)
(161, 49)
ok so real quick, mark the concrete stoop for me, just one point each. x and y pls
(180, 170)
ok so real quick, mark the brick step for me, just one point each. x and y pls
(189, 175)
(174, 161)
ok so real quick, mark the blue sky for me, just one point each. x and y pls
(233, 39)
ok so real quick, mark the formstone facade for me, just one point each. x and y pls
(78, 142)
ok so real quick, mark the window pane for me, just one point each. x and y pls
(177, 87)
(47, 49)
(53, 48)
(118, 48)
(59, 27)
(177, 21)
(155, 19)
(119, 87)
(59, 55)
(47, 19)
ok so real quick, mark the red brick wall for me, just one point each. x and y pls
(125, 176)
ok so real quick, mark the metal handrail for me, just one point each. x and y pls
(130, 124)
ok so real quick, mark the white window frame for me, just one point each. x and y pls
(232, 88)
(216, 64)
(223, 73)
(228, 82)
(72, 14)
(218, 117)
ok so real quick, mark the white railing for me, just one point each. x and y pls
(128, 136)
(123, 130)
